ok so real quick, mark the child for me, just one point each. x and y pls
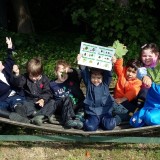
(149, 58)
(10, 97)
(36, 88)
(127, 86)
(98, 102)
(67, 84)
(149, 114)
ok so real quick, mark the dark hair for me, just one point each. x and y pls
(154, 48)
(34, 67)
(96, 71)
(134, 63)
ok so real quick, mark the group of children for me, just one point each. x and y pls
(32, 98)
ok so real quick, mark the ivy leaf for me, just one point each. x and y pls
(120, 49)
(154, 74)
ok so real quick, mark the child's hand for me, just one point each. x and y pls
(16, 70)
(120, 100)
(147, 81)
(1, 66)
(68, 70)
(114, 59)
(9, 42)
(40, 102)
(79, 57)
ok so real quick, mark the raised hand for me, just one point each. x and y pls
(9, 42)
(79, 57)
(114, 59)
(16, 70)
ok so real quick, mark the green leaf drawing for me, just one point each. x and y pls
(154, 74)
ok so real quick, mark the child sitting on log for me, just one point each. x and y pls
(98, 104)
(11, 98)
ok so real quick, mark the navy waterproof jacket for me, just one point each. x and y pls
(98, 100)
(6, 89)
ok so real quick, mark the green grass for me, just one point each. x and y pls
(77, 151)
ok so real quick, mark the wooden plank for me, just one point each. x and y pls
(123, 129)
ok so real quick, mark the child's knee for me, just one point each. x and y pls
(152, 117)
(88, 126)
(108, 123)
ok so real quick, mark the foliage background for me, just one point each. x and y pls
(60, 26)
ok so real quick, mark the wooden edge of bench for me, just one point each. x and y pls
(57, 129)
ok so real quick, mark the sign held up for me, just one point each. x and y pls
(96, 56)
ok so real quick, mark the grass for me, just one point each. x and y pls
(74, 151)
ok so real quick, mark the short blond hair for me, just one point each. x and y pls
(34, 67)
(63, 63)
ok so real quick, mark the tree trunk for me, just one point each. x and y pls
(3, 14)
(23, 17)
(122, 3)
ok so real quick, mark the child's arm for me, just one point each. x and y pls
(9, 62)
(147, 81)
(118, 66)
(107, 77)
(74, 75)
(141, 72)
(84, 71)
(45, 90)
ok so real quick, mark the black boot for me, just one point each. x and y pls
(4, 113)
(20, 109)
(16, 117)
(13, 116)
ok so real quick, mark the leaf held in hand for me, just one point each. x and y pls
(120, 48)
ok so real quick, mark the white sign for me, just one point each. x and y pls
(96, 56)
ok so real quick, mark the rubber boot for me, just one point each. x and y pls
(13, 116)
(20, 109)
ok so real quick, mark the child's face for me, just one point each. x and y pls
(131, 73)
(96, 79)
(61, 73)
(148, 57)
(1, 66)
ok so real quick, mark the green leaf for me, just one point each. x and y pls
(154, 74)
(120, 49)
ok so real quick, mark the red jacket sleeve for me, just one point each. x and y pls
(118, 66)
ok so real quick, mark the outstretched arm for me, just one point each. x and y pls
(107, 77)
(9, 62)
(84, 71)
